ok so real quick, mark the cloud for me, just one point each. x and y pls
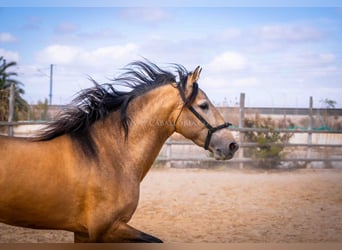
(6, 37)
(227, 61)
(9, 55)
(65, 28)
(101, 34)
(245, 82)
(316, 64)
(221, 82)
(59, 54)
(111, 54)
(73, 65)
(81, 60)
(314, 58)
(32, 23)
(229, 34)
(292, 33)
(209, 81)
(148, 14)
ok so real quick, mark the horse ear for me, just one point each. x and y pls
(193, 77)
(196, 74)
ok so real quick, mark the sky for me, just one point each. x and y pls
(278, 55)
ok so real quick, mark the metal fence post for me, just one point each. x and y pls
(310, 125)
(241, 125)
(168, 152)
(11, 101)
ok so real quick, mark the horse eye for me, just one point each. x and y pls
(204, 106)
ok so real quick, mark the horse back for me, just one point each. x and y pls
(19, 154)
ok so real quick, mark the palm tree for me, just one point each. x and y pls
(6, 79)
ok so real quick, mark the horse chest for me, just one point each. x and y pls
(113, 194)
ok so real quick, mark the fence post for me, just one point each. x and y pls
(309, 148)
(168, 149)
(241, 125)
(11, 101)
(168, 152)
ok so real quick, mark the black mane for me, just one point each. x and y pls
(97, 102)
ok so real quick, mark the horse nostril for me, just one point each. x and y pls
(233, 147)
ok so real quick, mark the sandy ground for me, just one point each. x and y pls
(229, 206)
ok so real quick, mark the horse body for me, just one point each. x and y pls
(33, 192)
(59, 184)
(70, 191)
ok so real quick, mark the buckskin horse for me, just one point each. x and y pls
(82, 172)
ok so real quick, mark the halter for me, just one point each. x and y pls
(210, 128)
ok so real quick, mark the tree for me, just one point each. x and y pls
(6, 79)
(39, 111)
(329, 104)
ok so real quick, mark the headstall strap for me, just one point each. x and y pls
(211, 129)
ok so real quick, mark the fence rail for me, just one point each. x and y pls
(309, 151)
(12, 124)
(306, 131)
(254, 144)
(169, 156)
(18, 123)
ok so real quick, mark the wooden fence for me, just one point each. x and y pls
(329, 152)
(332, 152)
(195, 154)
(309, 151)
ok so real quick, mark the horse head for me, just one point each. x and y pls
(199, 121)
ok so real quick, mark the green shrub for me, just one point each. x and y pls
(269, 151)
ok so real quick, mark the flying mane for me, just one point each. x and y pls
(95, 103)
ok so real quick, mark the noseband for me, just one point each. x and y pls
(210, 128)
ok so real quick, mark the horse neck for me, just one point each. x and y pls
(152, 116)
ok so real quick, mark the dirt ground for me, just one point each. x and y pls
(229, 206)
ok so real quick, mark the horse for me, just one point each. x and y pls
(83, 171)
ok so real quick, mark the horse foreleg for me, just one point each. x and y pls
(81, 237)
(121, 233)
(125, 233)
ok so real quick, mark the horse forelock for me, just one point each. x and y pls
(95, 103)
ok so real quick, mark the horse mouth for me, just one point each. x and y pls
(225, 152)
(222, 157)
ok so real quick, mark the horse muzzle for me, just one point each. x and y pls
(225, 151)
